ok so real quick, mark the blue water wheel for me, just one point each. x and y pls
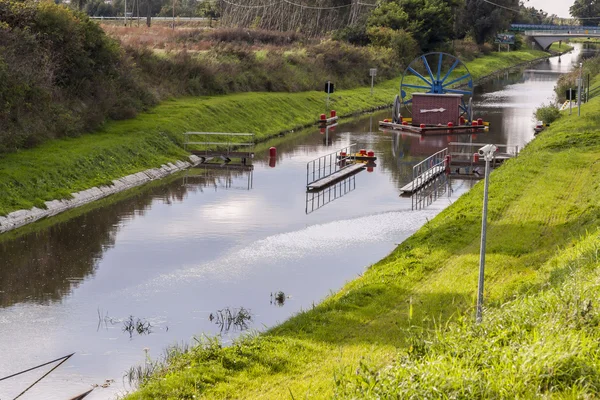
(438, 73)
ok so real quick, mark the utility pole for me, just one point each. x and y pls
(487, 152)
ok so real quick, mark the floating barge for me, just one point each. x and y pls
(423, 129)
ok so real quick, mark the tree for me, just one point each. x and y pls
(483, 20)
(208, 9)
(587, 9)
(430, 22)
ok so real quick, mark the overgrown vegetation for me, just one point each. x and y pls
(410, 315)
(60, 75)
(547, 113)
(591, 68)
(537, 345)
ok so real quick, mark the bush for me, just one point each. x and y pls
(356, 35)
(60, 75)
(547, 113)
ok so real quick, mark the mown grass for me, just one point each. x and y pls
(541, 204)
(60, 167)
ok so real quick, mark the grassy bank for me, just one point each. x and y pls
(417, 303)
(60, 167)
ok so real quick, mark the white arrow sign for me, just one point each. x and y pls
(440, 110)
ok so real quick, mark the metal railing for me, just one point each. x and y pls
(428, 168)
(329, 164)
(466, 150)
(221, 140)
(316, 200)
(574, 32)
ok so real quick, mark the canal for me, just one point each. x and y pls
(123, 279)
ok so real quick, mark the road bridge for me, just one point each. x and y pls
(550, 27)
(546, 37)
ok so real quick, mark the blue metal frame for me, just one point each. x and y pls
(433, 83)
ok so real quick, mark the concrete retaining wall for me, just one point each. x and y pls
(19, 218)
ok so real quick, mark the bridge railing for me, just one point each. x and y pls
(582, 32)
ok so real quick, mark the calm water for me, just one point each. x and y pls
(177, 252)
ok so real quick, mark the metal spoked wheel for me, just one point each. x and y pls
(449, 75)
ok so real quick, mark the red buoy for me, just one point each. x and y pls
(480, 121)
(333, 113)
(371, 153)
(422, 126)
(462, 120)
(363, 152)
(450, 124)
(323, 117)
(272, 152)
(342, 154)
(369, 169)
(272, 162)
(404, 123)
(476, 157)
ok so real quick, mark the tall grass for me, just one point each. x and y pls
(535, 345)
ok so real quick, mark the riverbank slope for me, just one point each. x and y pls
(544, 214)
(56, 169)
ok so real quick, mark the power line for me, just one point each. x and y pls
(255, 6)
(297, 5)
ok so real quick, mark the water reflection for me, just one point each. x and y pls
(316, 200)
(435, 189)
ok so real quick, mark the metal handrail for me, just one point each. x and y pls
(329, 164)
(565, 32)
(509, 149)
(422, 170)
(228, 142)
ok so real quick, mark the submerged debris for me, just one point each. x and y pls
(279, 298)
(141, 326)
(228, 318)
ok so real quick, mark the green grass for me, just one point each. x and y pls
(541, 205)
(560, 48)
(60, 167)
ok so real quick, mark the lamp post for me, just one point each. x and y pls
(487, 152)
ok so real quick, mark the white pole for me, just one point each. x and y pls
(483, 237)
(125, 12)
(371, 84)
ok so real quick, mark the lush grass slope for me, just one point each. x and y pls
(57, 168)
(541, 204)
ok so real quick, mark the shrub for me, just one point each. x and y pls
(547, 113)
(355, 34)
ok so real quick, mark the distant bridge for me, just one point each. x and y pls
(546, 38)
(545, 35)
(549, 27)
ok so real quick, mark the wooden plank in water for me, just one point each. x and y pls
(416, 184)
(335, 177)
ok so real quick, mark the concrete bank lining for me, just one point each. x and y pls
(19, 218)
